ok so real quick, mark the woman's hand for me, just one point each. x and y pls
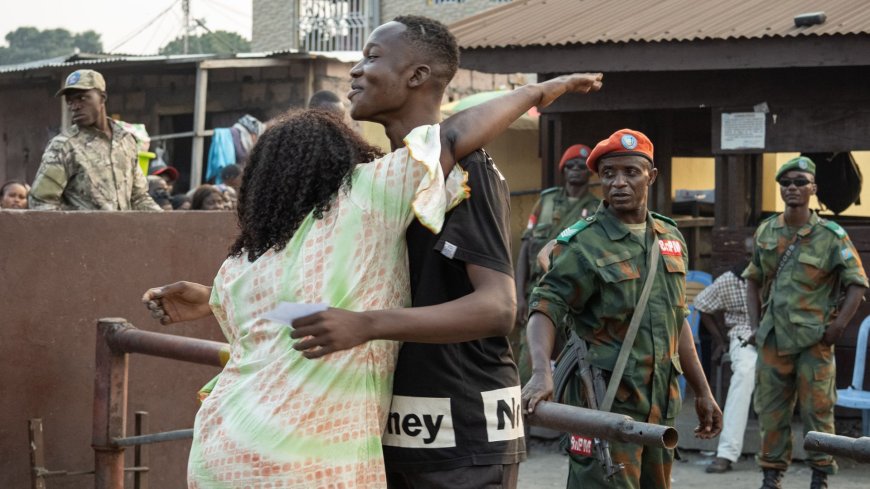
(181, 301)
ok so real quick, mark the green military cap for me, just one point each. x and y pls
(801, 163)
(83, 80)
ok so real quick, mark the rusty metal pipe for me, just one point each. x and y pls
(603, 425)
(154, 438)
(858, 449)
(127, 339)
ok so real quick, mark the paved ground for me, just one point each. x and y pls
(547, 468)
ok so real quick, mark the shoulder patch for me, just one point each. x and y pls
(664, 219)
(834, 227)
(565, 236)
(550, 190)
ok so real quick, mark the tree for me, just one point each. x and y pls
(216, 42)
(31, 44)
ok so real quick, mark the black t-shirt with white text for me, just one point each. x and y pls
(456, 405)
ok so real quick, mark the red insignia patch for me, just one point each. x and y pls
(533, 219)
(671, 247)
(580, 445)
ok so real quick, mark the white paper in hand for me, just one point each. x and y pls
(286, 312)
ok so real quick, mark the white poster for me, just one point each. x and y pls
(743, 130)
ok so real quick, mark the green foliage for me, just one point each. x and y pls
(31, 44)
(217, 42)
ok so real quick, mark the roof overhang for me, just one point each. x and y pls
(697, 55)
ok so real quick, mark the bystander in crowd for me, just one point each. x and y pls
(207, 198)
(727, 294)
(158, 189)
(13, 195)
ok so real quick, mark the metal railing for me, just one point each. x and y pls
(116, 339)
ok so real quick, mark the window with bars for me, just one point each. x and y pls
(334, 25)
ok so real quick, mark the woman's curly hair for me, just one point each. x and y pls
(297, 166)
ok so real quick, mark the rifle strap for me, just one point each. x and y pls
(783, 259)
(630, 335)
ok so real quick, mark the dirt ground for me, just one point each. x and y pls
(547, 468)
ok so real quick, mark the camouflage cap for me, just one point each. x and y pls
(83, 80)
(801, 163)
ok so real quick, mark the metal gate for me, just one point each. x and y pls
(335, 25)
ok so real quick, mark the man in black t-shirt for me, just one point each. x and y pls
(456, 419)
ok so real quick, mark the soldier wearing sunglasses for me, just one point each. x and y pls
(804, 283)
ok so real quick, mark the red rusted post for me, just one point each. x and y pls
(110, 407)
(37, 454)
(140, 453)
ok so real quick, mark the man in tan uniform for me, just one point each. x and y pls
(94, 164)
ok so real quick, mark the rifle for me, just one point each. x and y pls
(593, 387)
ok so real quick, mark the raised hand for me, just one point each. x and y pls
(574, 83)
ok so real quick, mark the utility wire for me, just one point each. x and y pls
(216, 35)
(147, 25)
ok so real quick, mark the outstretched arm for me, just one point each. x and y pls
(486, 312)
(470, 129)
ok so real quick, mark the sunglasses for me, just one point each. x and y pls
(575, 165)
(798, 182)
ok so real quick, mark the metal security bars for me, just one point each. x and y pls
(336, 25)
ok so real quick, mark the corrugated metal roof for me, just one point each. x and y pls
(561, 22)
(78, 59)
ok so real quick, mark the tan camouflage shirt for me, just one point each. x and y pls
(82, 169)
(799, 302)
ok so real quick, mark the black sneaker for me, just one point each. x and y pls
(820, 480)
(772, 479)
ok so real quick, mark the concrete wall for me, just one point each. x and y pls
(60, 273)
(274, 26)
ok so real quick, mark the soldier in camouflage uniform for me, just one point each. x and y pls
(94, 165)
(798, 268)
(598, 269)
(558, 208)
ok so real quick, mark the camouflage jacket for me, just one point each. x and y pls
(598, 271)
(82, 169)
(799, 303)
(553, 212)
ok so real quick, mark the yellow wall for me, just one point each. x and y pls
(772, 202)
(699, 174)
(692, 174)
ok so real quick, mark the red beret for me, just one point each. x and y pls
(624, 142)
(580, 151)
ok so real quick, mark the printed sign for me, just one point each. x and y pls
(743, 130)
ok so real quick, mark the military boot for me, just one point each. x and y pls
(772, 479)
(820, 480)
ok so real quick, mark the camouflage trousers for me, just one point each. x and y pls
(643, 468)
(806, 378)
